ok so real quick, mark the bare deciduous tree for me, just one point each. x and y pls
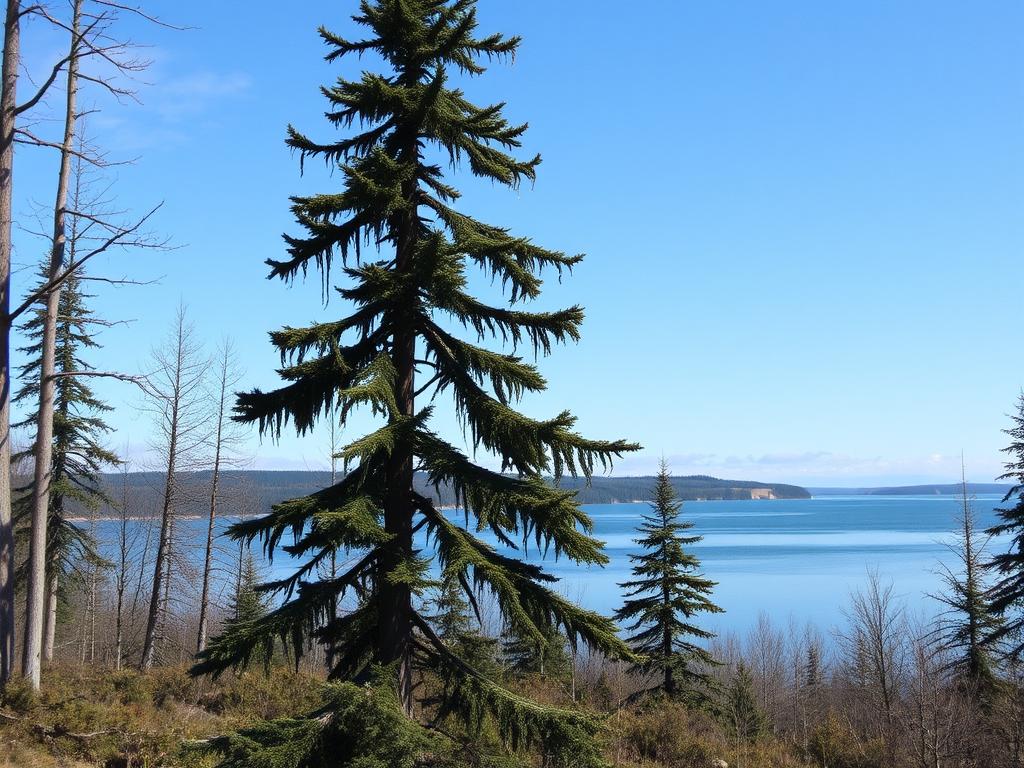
(226, 442)
(875, 644)
(176, 391)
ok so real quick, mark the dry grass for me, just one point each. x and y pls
(125, 720)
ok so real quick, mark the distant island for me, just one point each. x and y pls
(254, 491)
(947, 489)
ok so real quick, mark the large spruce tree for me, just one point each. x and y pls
(405, 253)
(79, 455)
(1007, 594)
(663, 598)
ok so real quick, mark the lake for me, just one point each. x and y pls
(790, 558)
(797, 558)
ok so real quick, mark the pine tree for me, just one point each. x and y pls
(396, 208)
(1007, 594)
(663, 598)
(78, 452)
(968, 625)
(745, 718)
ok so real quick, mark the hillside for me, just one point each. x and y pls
(948, 489)
(252, 492)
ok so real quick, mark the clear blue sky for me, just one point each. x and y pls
(802, 220)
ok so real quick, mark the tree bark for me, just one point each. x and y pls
(35, 592)
(8, 107)
(164, 543)
(122, 574)
(50, 619)
(204, 602)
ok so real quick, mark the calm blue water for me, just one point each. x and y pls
(798, 558)
(789, 558)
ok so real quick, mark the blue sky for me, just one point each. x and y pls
(802, 220)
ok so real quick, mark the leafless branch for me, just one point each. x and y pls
(118, 280)
(142, 14)
(142, 382)
(24, 136)
(41, 91)
(120, 237)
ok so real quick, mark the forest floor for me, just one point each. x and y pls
(84, 717)
(98, 718)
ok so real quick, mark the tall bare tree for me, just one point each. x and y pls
(226, 441)
(8, 118)
(36, 589)
(90, 36)
(176, 390)
(126, 539)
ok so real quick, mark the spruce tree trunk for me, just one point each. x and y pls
(36, 596)
(396, 599)
(395, 622)
(666, 650)
(8, 106)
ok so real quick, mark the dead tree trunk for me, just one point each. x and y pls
(36, 589)
(50, 616)
(223, 384)
(121, 581)
(8, 115)
(176, 393)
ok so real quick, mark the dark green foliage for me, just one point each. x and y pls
(78, 429)
(358, 727)
(743, 716)
(248, 604)
(454, 624)
(1007, 594)
(968, 626)
(548, 657)
(812, 668)
(663, 598)
(405, 256)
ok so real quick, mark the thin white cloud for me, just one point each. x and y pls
(818, 468)
(196, 93)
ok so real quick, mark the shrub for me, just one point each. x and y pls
(833, 744)
(667, 732)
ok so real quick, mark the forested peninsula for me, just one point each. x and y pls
(258, 490)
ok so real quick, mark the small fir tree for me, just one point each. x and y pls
(79, 455)
(547, 657)
(663, 599)
(454, 624)
(1007, 594)
(248, 605)
(968, 626)
(812, 676)
(406, 253)
(744, 716)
